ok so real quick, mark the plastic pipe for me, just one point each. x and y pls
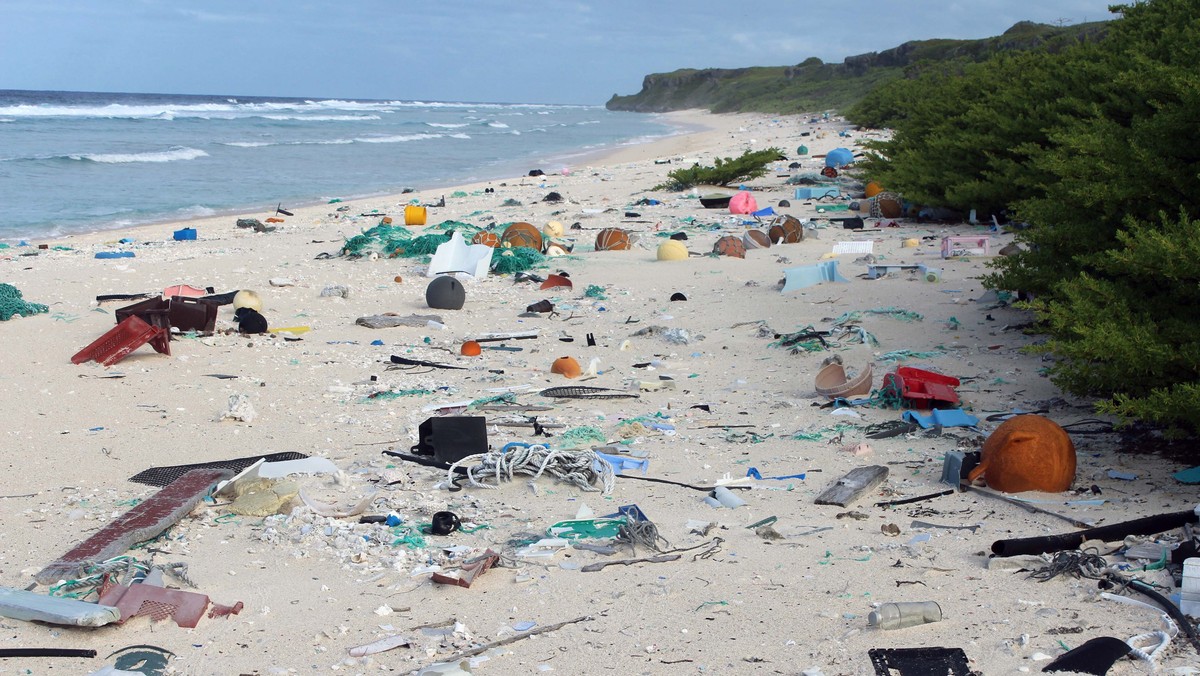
(1150, 525)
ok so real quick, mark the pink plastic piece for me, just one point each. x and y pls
(742, 203)
(157, 603)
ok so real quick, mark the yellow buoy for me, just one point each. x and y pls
(672, 250)
(247, 298)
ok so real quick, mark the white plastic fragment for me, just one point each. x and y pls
(384, 644)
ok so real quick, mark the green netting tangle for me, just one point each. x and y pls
(11, 304)
(381, 239)
(397, 241)
(516, 259)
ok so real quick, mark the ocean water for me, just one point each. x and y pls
(84, 161)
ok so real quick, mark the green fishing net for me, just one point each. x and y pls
(11, 304)
(381, 239)
(516, 259)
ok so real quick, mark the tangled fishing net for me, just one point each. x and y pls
(381, 239)
(11, 303)
(516, 259)
(397, 241)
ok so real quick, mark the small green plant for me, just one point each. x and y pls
(751, 164)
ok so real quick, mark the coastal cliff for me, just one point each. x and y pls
(816, 85)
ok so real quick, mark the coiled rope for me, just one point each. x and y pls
(578, 468)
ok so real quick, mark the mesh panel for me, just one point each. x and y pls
(163, 476)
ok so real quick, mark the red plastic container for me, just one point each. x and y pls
(122, 339)
(921, 388)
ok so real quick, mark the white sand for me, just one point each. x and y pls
(312, 586)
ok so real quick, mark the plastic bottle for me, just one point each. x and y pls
(900, 615)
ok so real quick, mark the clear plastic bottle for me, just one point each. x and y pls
(900, 615)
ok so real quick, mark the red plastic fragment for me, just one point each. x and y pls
(219, 610)
(118, 342)
(470, 570)
(157, 603)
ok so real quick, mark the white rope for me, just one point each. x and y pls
(1162, 637)
(579, 468)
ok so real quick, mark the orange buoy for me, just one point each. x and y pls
(486, 237)
(522, 234)
(872, 189)
(613, 239)
(786, 230)
(730, 246)
(567, 367)
(470, 348)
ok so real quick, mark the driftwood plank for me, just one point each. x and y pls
(852, 486)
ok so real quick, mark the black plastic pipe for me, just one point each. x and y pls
(1149, 525)
(46, 652)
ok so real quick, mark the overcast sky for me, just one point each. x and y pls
(523, 51)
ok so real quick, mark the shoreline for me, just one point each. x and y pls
(684, 122)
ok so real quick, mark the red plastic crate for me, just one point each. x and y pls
(122, 339)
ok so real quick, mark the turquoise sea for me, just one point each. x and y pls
(86, 161)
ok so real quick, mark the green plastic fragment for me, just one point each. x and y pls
(586, 528)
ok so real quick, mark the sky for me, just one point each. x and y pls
(511, 51)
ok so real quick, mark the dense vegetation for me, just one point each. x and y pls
(749, 165)
(814, 85)
(1095, 150)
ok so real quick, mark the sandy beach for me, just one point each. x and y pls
(715, 396)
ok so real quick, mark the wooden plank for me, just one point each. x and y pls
(851, 487)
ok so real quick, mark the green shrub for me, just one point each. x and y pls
(750, 165)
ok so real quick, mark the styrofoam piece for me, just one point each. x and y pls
(858, 247)
(458, 256)
(19, 604)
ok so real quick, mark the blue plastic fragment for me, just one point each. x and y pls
(377, 342)
(1188, 476)
(632, 513)
(622, 462)
(753, 472)
(942, 417)
(1123, 476)
(114, 254)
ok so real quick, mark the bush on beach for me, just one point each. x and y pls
(749, 165)
(1095, 149)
